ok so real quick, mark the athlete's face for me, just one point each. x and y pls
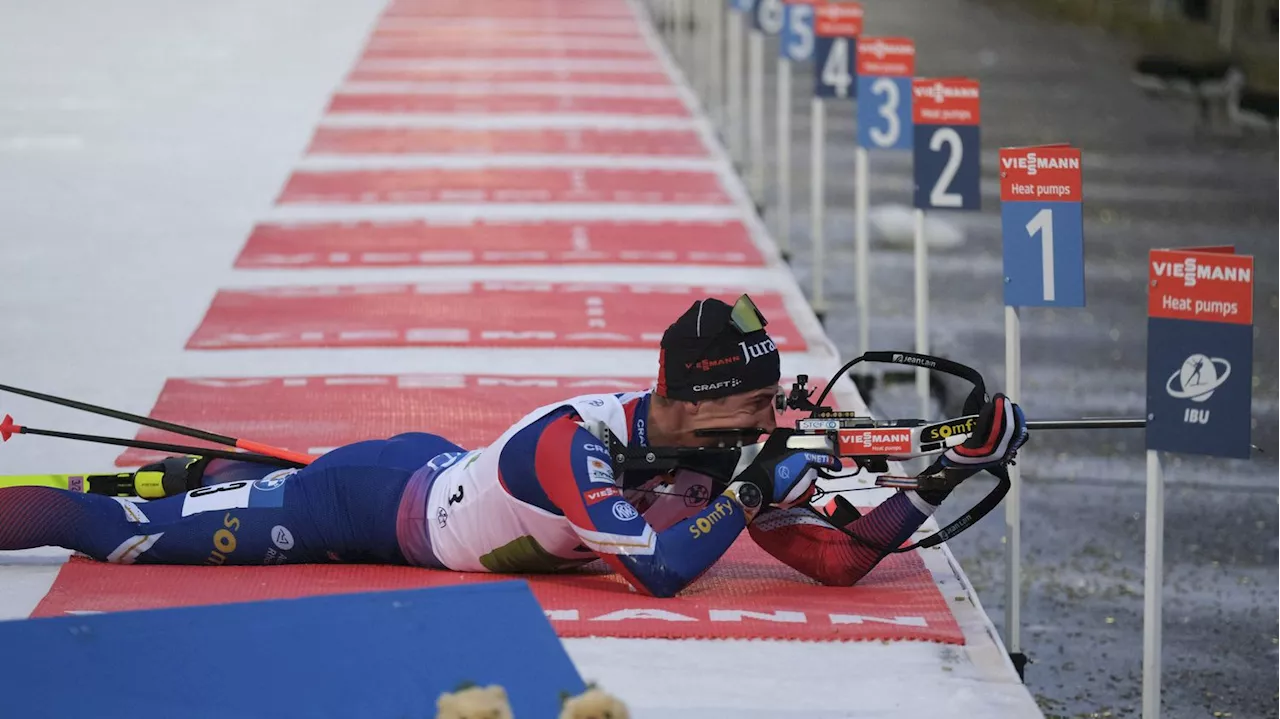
(746, 410)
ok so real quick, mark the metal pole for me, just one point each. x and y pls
(1089, 423)
(862, 249)
(715, 49)
(782, 229)
(755, 104)
(1013, 502)
(1153, 589)
(733, 120)
(816, 197)
(922, 312)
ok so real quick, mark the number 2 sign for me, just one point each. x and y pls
(1042, 226)
(885, 67)
(947, 166)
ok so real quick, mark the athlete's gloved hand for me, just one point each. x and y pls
(998, 433)
(782, 477)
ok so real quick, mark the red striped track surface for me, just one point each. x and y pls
(464, 314)
(417, 243)
(506, 185)
(644, 143)
(375, 73)
(543, 104)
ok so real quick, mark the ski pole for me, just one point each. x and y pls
(297, 458)
(8, 428)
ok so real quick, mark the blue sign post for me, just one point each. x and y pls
(884, 69)
(947, 172)
(1042, 231)
(836, 27)
(796, 41)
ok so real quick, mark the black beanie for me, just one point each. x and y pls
(705, 356)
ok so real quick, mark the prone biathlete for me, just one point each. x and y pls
(543, 497)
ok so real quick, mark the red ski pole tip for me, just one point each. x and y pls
(8, 428)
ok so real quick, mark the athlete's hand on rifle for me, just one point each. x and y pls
(783, 477)
(999, 432)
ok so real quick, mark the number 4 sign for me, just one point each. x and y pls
(1042, 226)
(836, 27)
(947, 170)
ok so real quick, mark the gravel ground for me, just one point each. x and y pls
(1152, 179)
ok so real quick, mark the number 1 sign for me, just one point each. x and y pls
(1042, 226)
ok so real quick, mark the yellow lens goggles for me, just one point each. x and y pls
(746, 316)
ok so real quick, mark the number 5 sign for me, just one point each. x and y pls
(947, 166)
(885, 67)
(796, 43)
(1042, 226)
(836, 27)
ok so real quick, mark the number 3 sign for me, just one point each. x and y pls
(947, 161)
(885, 67)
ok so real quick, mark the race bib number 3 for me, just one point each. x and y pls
(217, 497)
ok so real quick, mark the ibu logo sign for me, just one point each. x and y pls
(947, 167)
(1200, 352)
(836, 27)
(797, 40)
(884, 68)
(1042, 223)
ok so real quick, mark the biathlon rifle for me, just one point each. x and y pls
(870, 443)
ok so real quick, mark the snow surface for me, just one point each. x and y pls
(140, 140)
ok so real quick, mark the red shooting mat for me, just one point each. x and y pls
(564, 10)
(501, 51)
(499, 184)
(508, 104)
(455, 74)
(465, 314)
(419, 243)
(314, 414)
(500, 30)
(397, 140)
(746, 595)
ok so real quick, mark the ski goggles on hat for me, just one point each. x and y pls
(746, 317)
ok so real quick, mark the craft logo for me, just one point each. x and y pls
(623, 511)
(1033, 163)
(757, 350)
(1196, 380)
(706, 364)
(908, 359)
(442, 517)
(1191, 272)
(717, 385)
